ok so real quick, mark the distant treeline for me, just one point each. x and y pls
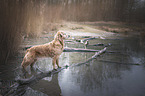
(31, 17)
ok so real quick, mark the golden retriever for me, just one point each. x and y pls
(52, 49)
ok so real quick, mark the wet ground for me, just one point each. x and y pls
(118, 72)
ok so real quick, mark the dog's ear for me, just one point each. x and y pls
(60, 35)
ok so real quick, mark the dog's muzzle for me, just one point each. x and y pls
(67, 36)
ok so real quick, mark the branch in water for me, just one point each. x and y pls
(93, 57)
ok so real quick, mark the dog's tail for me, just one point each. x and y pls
(22, 64)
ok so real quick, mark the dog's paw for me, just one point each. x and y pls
(54, 69)
(59, 66)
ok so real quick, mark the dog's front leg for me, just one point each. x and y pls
(57, 62)
(53, 63)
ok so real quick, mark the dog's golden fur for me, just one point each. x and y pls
(52, 49)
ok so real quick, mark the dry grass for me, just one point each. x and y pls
(20, 19)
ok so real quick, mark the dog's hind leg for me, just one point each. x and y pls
(33, 63)
(28, 59)
(24, 64)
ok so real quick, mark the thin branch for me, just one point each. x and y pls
(90, 59)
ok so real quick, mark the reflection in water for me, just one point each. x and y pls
(51, 88)
(95, 78)
(31, 92)
(91, 76)
(136, 51)
(104, 78)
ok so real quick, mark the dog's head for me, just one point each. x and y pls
(61, 35)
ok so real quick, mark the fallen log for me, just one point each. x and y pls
(19, 87)
(101, 44)
(86, 50)
(84, 40)
(89, 39)
(78, 50)
(90, 59)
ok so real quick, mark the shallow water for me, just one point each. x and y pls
(118, 72)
